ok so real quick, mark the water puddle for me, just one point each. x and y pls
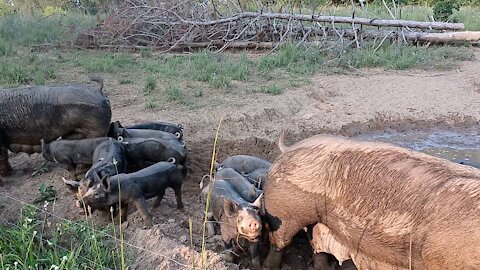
(455, 145)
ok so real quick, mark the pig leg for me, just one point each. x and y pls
(123, 213)
(274, 259)
(210, 227)
(141, 205)
(254, 249)
(71, 168)
(4, 165)
(229, 254)
(178, 196)
(159, 199)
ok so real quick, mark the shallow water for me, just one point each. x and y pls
(455, 145)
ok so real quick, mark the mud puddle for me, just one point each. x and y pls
(454, 145)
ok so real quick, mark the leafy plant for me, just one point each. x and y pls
(444, 9)
(47, 193)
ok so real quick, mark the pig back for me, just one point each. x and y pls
(222, 189)
(48, 112)
(239, 183)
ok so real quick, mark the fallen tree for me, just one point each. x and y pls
(191, 24)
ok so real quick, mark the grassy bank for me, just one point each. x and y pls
(35, 242)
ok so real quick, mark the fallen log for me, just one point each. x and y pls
(448, 37)
(330, 19)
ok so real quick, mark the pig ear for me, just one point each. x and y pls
(230, 208)
(106, 183)
(258, 203)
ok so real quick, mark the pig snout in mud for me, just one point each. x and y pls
(243, 164)
(108, 159)
(237, 217)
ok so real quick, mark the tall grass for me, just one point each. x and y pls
(30, 244)
(27, 30)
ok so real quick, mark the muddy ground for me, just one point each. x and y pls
(356, 103)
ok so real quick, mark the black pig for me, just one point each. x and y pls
(136, 188)
(239, 183)
(243, 164)
(71, 111)
(72, 153)
(142, 152)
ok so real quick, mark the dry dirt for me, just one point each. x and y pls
(351, 104)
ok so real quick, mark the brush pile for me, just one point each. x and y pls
(174, 25)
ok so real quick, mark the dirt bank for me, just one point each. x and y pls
(348, 104)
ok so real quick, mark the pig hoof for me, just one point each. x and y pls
(124, 225)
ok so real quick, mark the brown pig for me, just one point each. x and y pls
(383, 206)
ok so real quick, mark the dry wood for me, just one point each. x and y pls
(335, 19)
(189, 24)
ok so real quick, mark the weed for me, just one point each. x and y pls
(269, 89)
(198, 93)
(146, 53)
(125, 81)
(173, 93)
(41, 170)
(150, 85)
(6, 48)
(26, 245)
(47, 194)
(151, 103)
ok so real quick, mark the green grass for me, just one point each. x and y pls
(293, 59)
(30, 244)
(272, 89)
(103, 62)
(151, 103)
(17, 70)
(125, 81)
(404, 57)
(27, 30)
(218, 70)
(150, 85)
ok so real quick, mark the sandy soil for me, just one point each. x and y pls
(350, 104)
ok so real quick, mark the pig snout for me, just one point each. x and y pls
(254, 225)
(250, 226)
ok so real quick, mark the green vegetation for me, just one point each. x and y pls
(31, 244)
(403, 57)
(150, 85)
(103, 62)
